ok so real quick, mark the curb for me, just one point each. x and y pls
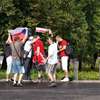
(86, 81)
(58, 81)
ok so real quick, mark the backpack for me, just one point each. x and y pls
(69, 49)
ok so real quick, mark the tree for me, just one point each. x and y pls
(91, 10)
(76, 20)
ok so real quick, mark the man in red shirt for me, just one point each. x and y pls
(38, 49)
(62, 44)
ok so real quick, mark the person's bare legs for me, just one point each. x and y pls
(54, 76)
(9, 65)
(39, 74)
(66, 73)
(50, 77)
(7, 77)
(64, 61)
(20, 78)
(15, 78)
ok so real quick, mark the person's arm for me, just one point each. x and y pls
(24, 39)
(34, 40)
(43, 57)
(50, 53)
(38, 51)
(26, 36)
(49, 57)
(9, 40)
(63, 48)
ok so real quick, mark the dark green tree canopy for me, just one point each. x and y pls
(76, 20)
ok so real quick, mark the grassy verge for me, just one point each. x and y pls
(85, 74)
(2, 74)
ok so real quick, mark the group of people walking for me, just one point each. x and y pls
(23, 55)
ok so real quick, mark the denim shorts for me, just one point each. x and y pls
(16, 67)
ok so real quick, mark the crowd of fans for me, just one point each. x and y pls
(24, 55)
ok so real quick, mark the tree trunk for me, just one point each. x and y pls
(94, 61)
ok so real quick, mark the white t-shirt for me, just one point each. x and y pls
(27, 47)
(52, 52)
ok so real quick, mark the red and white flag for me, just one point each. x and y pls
(43, 30)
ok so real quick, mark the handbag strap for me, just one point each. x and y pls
(15, 49)
(17, 52)
(28, 52)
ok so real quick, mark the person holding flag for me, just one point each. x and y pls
(16, 40)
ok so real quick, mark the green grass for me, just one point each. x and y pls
(2, 74)
(85, 74)
(92, 75)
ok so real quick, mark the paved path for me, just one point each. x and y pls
(41, 91)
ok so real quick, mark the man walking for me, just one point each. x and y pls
(52, 61)
(62, 44)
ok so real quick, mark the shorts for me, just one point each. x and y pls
(9, 64)
(16, 67)
(64, 63)
(51, 68)
(40, 67)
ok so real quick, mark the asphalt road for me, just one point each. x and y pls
(41, 91)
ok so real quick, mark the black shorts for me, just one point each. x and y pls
(39, 67)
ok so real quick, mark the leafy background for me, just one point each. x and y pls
(76, 20)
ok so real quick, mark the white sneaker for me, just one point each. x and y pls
(65, 79)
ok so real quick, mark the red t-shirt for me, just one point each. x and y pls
(38, 58)
(61, 44)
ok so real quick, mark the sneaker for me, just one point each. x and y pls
(52, 84)
(7, 80)
(65, 79)
(14, 84)
(19, 84)
(12, 79)
(40, 79)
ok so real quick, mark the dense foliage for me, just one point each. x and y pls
(76, 20)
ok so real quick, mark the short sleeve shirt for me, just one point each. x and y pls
(52, 51)
(27, 47)
(38, 58)
(61, 44)
(37, 44)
